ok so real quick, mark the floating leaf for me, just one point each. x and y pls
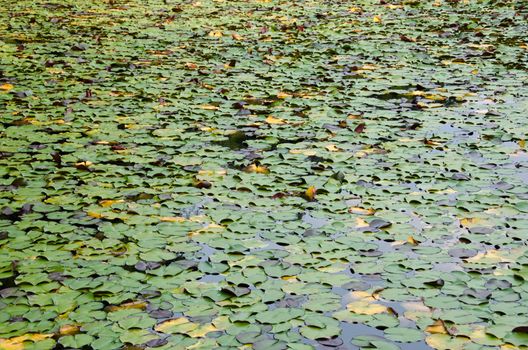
(283, 95)
(332, 148)
(141, 305)
(365, 307)
(275, 121)
(6, 87)
(69, 329)
(412, 241)
(258, 169)
(361, 211)
(209, 107)
(109, 202)
(18, 343)
(278, 315)
(404, 335)
(76, 341)
(359, 128)
(437, 328)
(215, 34)
(177, 325)
(320, 327)
(310, 193)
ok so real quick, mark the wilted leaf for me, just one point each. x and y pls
(437, 328)
(275, 121)
(332, 148)
(18, 343)
(310, 193)
(6, 87)
(141, 305)
(283, 95)
(69, 329)
(258, 169)
(209, 107)
(359, 128)
(361, 211)
(215, 34)
(109, 202)
(412, 241)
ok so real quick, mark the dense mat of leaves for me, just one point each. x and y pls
(274, 174)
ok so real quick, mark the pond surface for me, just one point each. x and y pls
(264, 174)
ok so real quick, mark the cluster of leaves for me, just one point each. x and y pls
(274, 174)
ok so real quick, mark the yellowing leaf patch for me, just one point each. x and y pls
(283, 95)
(364, 307)
(180, 325)
(209, 107)
(257, 169)
(306, 152)
(332, 148)
(361, 211)
(310, 193)
(69, 329)
(141, 305)
(215, 34)
(275, 121)
(109, 202)
(17, 343)
(437, 328)
(6, 87)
